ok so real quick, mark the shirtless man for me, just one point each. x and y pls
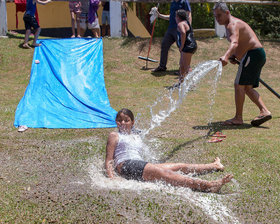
(246, 49)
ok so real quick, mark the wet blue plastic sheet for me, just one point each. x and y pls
(66, 87)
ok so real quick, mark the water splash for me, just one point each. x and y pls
(175, 96)
(211, 204)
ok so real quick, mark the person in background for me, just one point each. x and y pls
(31, 22)
(186, 42)
(245, 48)
(171, 34)
(105, 29)
(75, 11)
(89, 12)
(124, 19)
(93, 22)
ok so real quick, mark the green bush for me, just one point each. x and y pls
(264, 19)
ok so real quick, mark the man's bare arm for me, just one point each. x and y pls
(233, 36)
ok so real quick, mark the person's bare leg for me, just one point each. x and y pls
(73, 24)
(181, 70)
(256, 98)
(96, 32)
(193, 168)
(239, 102)
(103, 30)
(37, 33)
(154, 173)
(108, 30)
(78, 25)
(82, 32)
(26, 38)
(185, 62)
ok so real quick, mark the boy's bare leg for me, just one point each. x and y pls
(37, 33)
(73, 24)
(26, 38)
(78, 25)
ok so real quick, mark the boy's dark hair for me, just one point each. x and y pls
(127, 112)
(182, 14)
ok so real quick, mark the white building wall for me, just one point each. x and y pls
(115, 19)
(3, 18)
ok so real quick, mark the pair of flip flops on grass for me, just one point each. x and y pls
(217, 137)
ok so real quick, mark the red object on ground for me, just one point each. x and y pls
(219, 134)
(21, 7)
(214, 140)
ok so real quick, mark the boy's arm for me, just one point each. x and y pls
(110, 149)
(233, 36)
(42, 2)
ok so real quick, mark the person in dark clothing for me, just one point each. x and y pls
(31, 22)
(171, 34)
(186, 43)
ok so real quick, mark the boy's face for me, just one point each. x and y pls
(221, 16)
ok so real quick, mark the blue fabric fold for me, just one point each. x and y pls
(66, 87)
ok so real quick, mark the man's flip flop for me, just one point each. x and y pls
(219, 134)
(260, 120)
(214, 140)
(230, 122)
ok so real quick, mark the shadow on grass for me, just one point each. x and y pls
(219, 126)
(213, 128)
(16, 35)
(178, 147)
(168, 72)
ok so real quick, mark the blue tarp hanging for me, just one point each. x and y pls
(66, 87)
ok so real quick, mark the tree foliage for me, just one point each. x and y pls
(264, 19)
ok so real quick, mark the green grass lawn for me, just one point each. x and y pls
(38, 167)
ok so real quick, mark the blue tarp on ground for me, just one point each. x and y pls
(66, 87)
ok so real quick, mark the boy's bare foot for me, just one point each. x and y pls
(26, 46)
(217, 185)
(36, 45)
(233, 121)
(218, 164)
(79, 36)
(73, 36)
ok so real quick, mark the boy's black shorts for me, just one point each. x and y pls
(30, 21)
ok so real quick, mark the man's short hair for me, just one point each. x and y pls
(221, 5)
